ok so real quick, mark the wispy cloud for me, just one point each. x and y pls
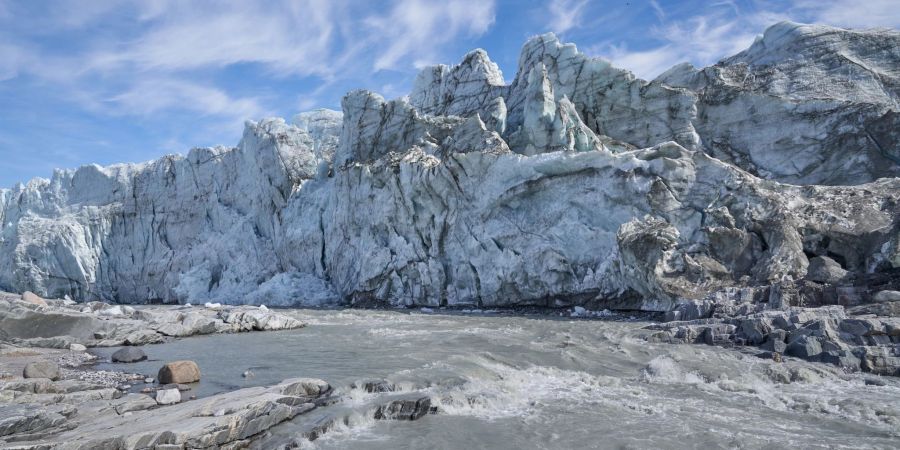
(701, 40)
(727, 27)
(151, 96)
(564, 15)
(658, 10)
(722, 30)
(852, 13)
(418, 27)
(151, 63)
(296, 39)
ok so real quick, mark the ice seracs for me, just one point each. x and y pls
(575, 184)
(805, 104)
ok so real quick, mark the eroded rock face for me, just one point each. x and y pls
(576, 183)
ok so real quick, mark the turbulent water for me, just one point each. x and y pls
(538, 382)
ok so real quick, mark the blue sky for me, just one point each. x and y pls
(127, 81)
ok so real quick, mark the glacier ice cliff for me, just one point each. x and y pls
(576, 183)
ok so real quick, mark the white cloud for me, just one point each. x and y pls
(151, 96)
(11, 61)
(157, 48)
(725, 29)
(564, 15)
(853, 13)
(660, 13)
(419, 28)
(295, 39)
(701, 40)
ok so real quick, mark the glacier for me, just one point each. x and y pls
(574, 184)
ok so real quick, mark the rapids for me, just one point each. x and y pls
(502, 381)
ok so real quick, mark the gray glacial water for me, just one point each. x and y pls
(538, 382)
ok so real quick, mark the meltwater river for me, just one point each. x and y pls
(514, 382)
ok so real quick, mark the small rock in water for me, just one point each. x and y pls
(77, 348)
(404, 409)
(128, 354)
(247, 374)
(375, 386)
(168, 396)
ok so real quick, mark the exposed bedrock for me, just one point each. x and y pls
(576, 183)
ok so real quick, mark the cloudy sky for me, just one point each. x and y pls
(125, 81)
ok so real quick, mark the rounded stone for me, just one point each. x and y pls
(41, 369)
(168, 396)
(179, 372)
(128, 355)
(34, 299)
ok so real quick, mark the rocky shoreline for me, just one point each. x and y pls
(49, 388)
(850, 327)
(62, 323)
(52, 397)
(80, 407)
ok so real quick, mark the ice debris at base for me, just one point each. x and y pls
(579, 311)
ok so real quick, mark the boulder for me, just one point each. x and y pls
(805, 347)
(775, 342)
(886, 296)
(179, 372)
(41, 369)
(128, 355)
(34, 299)
(375, 386)
(305, 387)
(135, 402)
(412, 409)
(77, 347)
(754, 330)
(823, 269)
(168, 396)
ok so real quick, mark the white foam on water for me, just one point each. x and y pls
(356, 427)
(664, 369)
(502, 391)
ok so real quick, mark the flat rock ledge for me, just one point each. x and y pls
(62, 323)
(834, 325)
(45, 415)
